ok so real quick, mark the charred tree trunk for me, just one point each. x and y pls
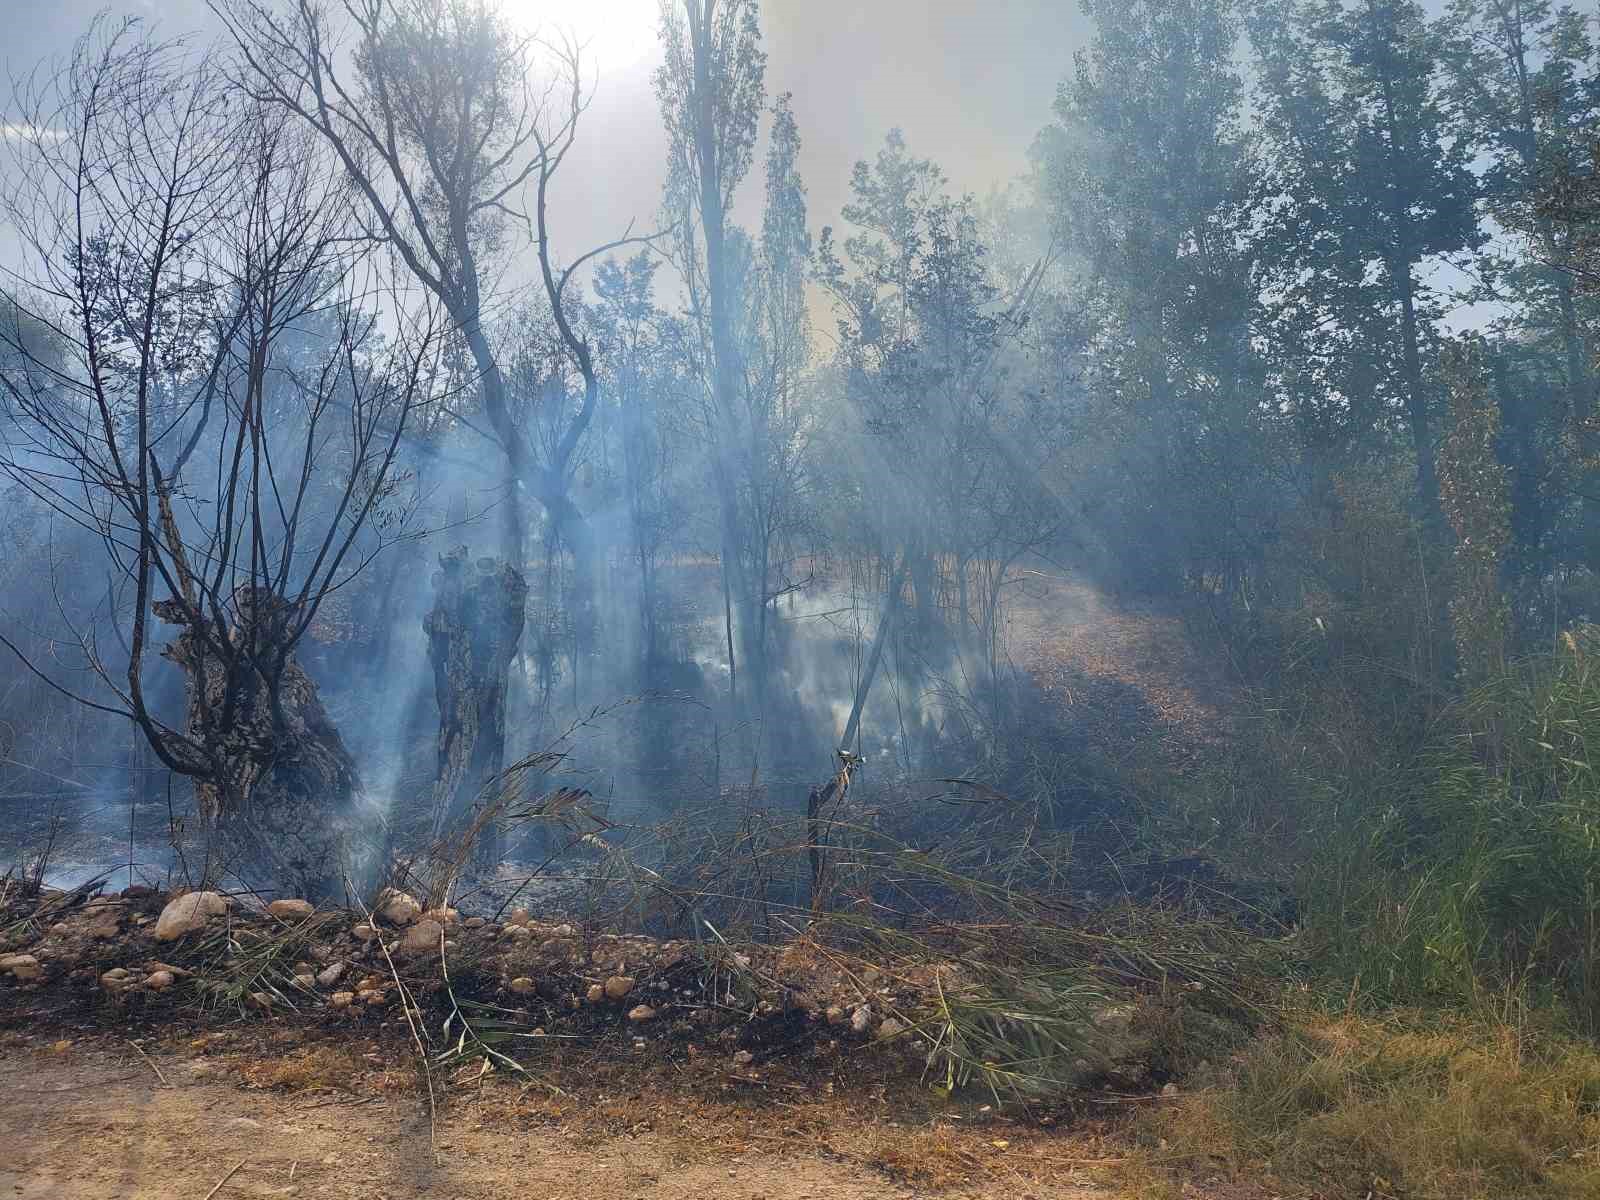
(473, 630)
(279, 803)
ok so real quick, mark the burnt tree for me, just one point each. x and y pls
(281, 799)
(473, 629)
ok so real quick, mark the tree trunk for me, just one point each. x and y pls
(473, 630)
(280, 804)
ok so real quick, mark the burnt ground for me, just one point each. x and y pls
(742, 1080)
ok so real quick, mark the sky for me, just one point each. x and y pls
(968, 83)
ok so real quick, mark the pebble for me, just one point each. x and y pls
(890, 1028)
(21, 966)
(342, 999)
(835, 1015)
(618, 986)
(158, 981)
(397, 907)
(519, 916)
(422, 938)
(363, 932)
(306, 982)
(743, 1059)
(188, 913)
(861, 1019)
(474, 923)
(330, 974)
(445, 916)
(595, 994)
(522, 985)
(291, 910)
(642, 1012)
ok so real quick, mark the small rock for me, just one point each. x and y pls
(861, 1019)
(116, 979)
(618, 986)
(291, 910)
(342, 999)
(522, 985)
(474, 923)
(563, 931)
(743, 1059)
(398, 908)
(519, 916)
(188, 913)
(890, 1028)
(370, 984)
(261, 1000)
(159, 981)
(517, 933)
(835, 1015)
(642, 1012)
(107, 924)
(307, 982)
(445, 916)
(422, 938)
(21, 966)
(595, 994)
(60, 927)
(330, 974)
(376, 999)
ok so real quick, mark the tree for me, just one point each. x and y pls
(711, 88)
(176, 242)
(1373, 185)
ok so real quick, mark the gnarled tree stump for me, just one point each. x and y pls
(479, 608)
(279, 801)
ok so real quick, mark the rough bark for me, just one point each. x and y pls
(280, 800)
(473, 630)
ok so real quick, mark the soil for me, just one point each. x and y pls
(99, 1119)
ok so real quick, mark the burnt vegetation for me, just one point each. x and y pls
(1134, 626)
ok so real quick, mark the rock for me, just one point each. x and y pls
(330, 974)
(642, 1012)
(291, 910)
(342, 999)
(21, 966)
(517, 933)
(474, 923)
(743, 1059)
(422, 938)
(563, 931)
(158, 965)
(595, 994)
(363, 932)
(835, 1015)
(890, 1028)
(370, 984)
(445, 916)
(618, 986)
(116, 979)
(159, 981)
(398, 908)
(307, 982)
(519, 916)
(188, 913)
(261, 1001)
(522, 985)
(376, 999)
(106, 925)
(861, 1019)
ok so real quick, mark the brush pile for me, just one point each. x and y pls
(1027, 1011)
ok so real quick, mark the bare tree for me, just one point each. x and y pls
(217, 408)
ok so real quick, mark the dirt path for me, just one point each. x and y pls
(93, 1124)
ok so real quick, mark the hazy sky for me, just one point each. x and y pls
(969, 83)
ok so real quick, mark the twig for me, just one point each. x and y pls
(411, 1024)
(149, 1060)
(225, 1178)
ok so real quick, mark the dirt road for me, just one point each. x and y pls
(95, 1124)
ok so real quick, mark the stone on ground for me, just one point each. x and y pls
(291, 910)
(188, 913)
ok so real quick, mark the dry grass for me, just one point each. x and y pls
(311, 1068)
(1425, 1110)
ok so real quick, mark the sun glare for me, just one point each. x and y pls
(616, 34)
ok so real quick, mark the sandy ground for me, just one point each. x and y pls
(95, 1124)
